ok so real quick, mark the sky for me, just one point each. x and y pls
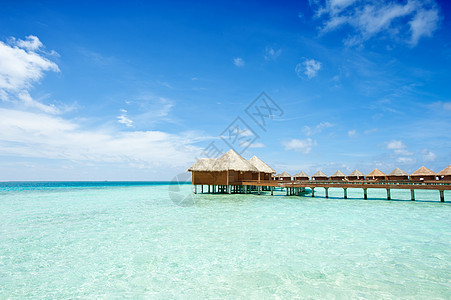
(138, 90)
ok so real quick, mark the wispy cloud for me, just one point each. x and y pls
(310, 131)
(428, 156)
(23, 63)
(271, 53)
(410, 20)
(123, 119)
(398, 147)
(303, 146)
(352, 133)
(309, 68)
(238, 61)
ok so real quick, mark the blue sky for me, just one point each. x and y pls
(138, 90)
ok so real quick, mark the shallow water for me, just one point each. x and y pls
(109, 240)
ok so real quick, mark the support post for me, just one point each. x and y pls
(229, 190)
(388, 194)
(259, 189)
(202, 188)
(327, 192)
(287, 191)
(195, 189)
(412, 195)
(272, 191)
(345, 192)
(313, 192)
(365, 193)
(442, 196)
(209, 189)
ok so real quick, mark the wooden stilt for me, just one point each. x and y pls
(388, 194)
(412, 195)
(442, 196)
(365, 193)
(272, 191)
(229, 190)
(202, 188)
(345, 192)
(313, 192)
(327, 192)
(195, 189)
(209, 189)
(259, 189)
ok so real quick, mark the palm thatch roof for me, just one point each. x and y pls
(232, 161)
(319, 174)
(203, 164)
(445, 171)
(301, 174)
(356, 173)
(261, 165)
(377, 173)
(423, 171)
(398, 172)
(338, 174)
(284, 174)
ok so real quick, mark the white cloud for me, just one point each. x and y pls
(428, 156)
(251, 145)
(398, 147)
(309, 131)
(40, 135)
(271, 54)
(238, 61)
(352, 133)
(303, 146)
(22, 64)
(308, 67)
(123, 119)
(412, 19)
(405, 160)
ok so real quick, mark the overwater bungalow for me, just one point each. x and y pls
(356, 175)
(376, 174)
(284, 176)
(398, 174)
(264, 171)
(339, 175)
(301, 176)
(229, 169)
(445, 174)
(423, 173)
(319, 176)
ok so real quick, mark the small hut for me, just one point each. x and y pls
(202, 171)
(376, 174)
(356, 175)
(339, 175)
(423, 173)
(445, 174)
(301, 176)
(264, 171)
(284, 176)
(398, 174)
(319, 176)
(237, 169)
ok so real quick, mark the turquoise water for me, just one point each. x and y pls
(112, 240)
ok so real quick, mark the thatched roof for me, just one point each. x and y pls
(284, 174)
(203, 164)
(423, 171)
(445, 171)
(356, 173)
(261, 165)
(232, 161)
(398, 172)
(319, 174)
(377, 173)
(301, 174)
(338, 174)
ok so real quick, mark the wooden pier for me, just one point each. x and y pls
(299, 187)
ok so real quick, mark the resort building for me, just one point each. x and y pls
(398, 174)
(356, 175)
(284, 176)
(423, 173)
(445, 174)
(319, 176)
(339, 175)
(301, 176)
(376, 174)
(264, 171)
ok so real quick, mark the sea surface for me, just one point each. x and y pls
(147, 240)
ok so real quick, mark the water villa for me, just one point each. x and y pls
(231, 173)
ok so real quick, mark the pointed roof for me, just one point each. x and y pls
(203, 164)
(423, 171)
(232, 161)
(284, 174)
(377, 172)
(398, 172)
(356, 173)
(261, 165)
(445, 171)
(319, 174)
(338, 174)
(301, 174)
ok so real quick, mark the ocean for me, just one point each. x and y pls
(138, 240)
